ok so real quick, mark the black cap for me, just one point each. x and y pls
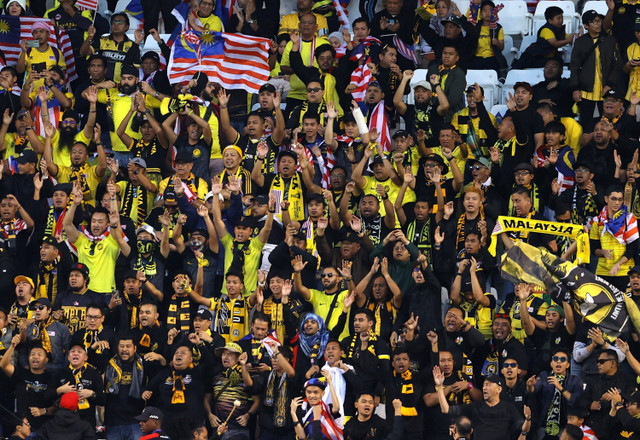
(634, 397)
(169, 195)
(44, 301)
(352, 237)
(261, 199)
(150, 412)
(151, 54)
(204, 314)
(51, 241)
(128, 69)
(300, 235)
(635, 269)
(455, 20)
(130, 274)
(201, 231)
(66, 187)
(82, 268)
(524, 166)
(56, 68)
(494, 378)
(184, 157)
(267, 87)
(589, 16)
(612, 93)
(433, 157)
(27, 156)
(287, 153)
(246, 222)
(472, 89)
(400, 133)
(583, 163)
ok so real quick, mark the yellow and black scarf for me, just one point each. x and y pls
(179, 315)
(133, 304)
(406, 387)
(421, 237)
(77, 376)
(40, 334)
(47, 283)
(178, 389)
(279, 400)
(134, 195)
(91, 337)
(291, 191)
(79, 174)
(461, 230)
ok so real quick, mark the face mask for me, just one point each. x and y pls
(145, 246)
(196, 245)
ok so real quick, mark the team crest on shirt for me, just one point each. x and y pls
(558, 339)
(196, 153)
(504, 353)
(459, 340)
(622, 10)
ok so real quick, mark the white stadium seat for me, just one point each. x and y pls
(488, 79)
(509, 52)
(532, 76)
(499, 110)
(515, 18)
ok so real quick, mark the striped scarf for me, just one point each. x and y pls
(77, 377)
(623, 226)
(91, 337)
(47, 283)
(179, 315)
(132, 194)
(279, 400)
(41, 334)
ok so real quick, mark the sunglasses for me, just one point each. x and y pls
(327, 275)
(40, 307)
(559, 359)
(510, 365)
(602, 361)
(476, 167)
(313, 90)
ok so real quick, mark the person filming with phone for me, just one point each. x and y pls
(38, 55)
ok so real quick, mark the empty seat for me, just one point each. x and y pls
(531, 76)
(488, 79)
(514, 18)
(600, 6)
(509, 51)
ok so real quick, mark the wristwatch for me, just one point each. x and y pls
(251, 21)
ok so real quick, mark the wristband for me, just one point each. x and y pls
(260, 158)
(469, 385)
(272, 211)
(385, 197)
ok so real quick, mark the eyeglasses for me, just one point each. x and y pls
(559, 359)
(581, 171)
(602, 361)
(313, 90)
(118, 22)
(328, 275)
(476, 167)
(93, 317)
(510, 365)
(521, 173)
(430, 165)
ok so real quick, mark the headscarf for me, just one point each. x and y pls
(313, 345)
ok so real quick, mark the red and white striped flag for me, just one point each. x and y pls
(361, 77)
(234, 61)
(60, 41)
(378, 120)
(91, 5)
(405, 50)
(342, 15)
(272, 338)
(330, 428)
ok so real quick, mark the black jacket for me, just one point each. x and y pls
(67, 425)
(583, 62)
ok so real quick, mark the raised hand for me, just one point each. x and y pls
(438, 376)
(355, 224)
(297, 264)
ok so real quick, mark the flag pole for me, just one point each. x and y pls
(93, 20)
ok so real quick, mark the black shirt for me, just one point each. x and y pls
(34, 390)
(498, 422)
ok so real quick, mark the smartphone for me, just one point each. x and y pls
(116, 294)
(391, 21)
(33, 43)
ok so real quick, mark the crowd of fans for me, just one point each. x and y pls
(175, 265)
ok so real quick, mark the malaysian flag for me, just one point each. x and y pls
(54, 112)
(234, 61)
(363, 48)
(330, 429)
(405, 50)
(60, 40)
(342, 15)
(134, 9)
(378, 120)
(10, 38)
(361, 77)
(91, 5)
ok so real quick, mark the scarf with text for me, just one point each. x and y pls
(276, 397)
(179, 314)
(291, 191)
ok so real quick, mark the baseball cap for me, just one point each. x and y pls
(230, 346)
(635, 269)
(435, 158)
(169, 195)
(204, 314)
(524, 85)
(150, 412)
(590, 15)
(472, 89)
(246, 222)
(482, 161)
(69, 401)
(145, 227)
(19, 278)
(319, 382)
(524, 166)
(151, 54)
(27, 156)
(267, 87)
(455, 20)
(612, 93)
(82, 268)
(494, 378)
(44, 301)
(556, 308)
(139, 161)
(50, 241)
(352, 237)
(424, 84)
(261, 199)
(130, 274)
(184, 157)
(375, 84)
(400, 133)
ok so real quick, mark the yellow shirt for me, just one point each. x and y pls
(40, 61)
(115, 53)
(10, 145)
(573, 131)
(119, 105)
(290, 22)
(608, 241)
(102, 264)
(62, 156)
(457, 158)
(633, 53)
(392, 192)
(89, 181)
(548, 34)
(211, 23)
(307, 48)
(484, 49)
(216, 152)
(252, 253)
(321, 302)
(596, 95)
(479, 316)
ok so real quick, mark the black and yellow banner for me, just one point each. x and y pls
(518, 224)
(596, 300)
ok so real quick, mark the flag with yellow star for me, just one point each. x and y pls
(9, 34)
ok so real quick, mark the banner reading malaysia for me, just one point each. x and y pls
(234, 61)
(576, 232)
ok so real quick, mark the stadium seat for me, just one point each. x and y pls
(570, 15)
(509, 51)
(499, 110)
(526, 42)
(463, 6)
(488, 79)
(532, 76)
(514, 18)
(600, 6)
